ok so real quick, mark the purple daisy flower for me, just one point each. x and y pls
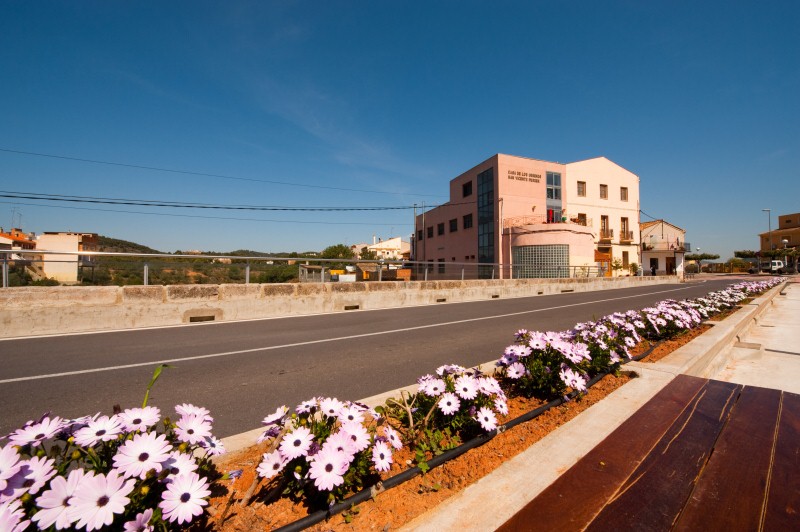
(33, 474)
(351, 413)
(449, 403)
(184, 498)
(487, 419)
(140, 418)
(188, 409)
(103, 428)
(382, 456)
(392, 436)
(9, 464)
(178, 463)
(35, 433)
(271, 464)
(192, 428)
(12, 517)
(515, 371)
(144, 452)
(54, 503)
(466, 387)
(213, 446)
(277, 417)
(270, 433)
(434, 388)
(296, 443)
(306, 407)
(140, 523)
(358, 434)
(342, 442)
(328, 469)
(330, 406)
(98, 498)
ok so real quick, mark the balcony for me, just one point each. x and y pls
(606, 235)
(677, 246)
(625, 237)
(539, 219)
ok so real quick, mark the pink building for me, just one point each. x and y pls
(519, 217)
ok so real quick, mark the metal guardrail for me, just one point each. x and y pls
(367, 270)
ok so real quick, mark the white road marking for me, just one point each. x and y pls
(312, 342)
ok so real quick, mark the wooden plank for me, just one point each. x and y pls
(783, 501)
(730, 493)
(598, 475)
(654, 495)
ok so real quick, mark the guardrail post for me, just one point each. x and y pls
(5, 270)
(247, 273)
(323, 274)
(426, 272)
(146, 273)
(462, 273)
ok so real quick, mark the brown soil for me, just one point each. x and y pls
(397, 506)
(668, 346)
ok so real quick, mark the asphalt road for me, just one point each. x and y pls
(242, 371)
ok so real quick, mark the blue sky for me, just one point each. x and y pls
(380, 104)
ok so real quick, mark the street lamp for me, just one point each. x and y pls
(769, 225)
(699, 267)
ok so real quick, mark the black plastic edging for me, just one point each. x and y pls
(436, 461)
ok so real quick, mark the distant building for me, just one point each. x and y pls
(663, 247)
(520, 217)
(18, 239)
(64, 268)
(788, 229)
(390, 249)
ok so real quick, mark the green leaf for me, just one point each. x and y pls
(156, 374)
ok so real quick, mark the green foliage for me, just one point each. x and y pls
(616, 264)
(745, 254)
(367, 254)
(701, 256)
(634, 268)
(337, 251)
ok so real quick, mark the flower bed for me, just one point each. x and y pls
(137, 471)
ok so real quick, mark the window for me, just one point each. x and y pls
(625, 262)
(603, 191)
(623, 193)
(538, 261)
(467, 221)
(553, 185)
(582, 218)
(582, 189)
(466, 189)
(440, 229)
(623, 222)
(420, 234)
(604, 229)
(454, 225)
(430, 232)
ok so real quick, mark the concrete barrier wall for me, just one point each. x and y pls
(27, 311)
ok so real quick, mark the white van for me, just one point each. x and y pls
(773, 266)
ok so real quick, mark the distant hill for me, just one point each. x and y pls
(115, 245)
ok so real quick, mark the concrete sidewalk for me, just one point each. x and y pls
(755, 346)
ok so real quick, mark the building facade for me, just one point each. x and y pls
(519, 217)
(64, 268)
(788, 229)
(663, 248)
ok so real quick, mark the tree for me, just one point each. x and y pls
(338, 251)
(745, 254)
(699, 257)
(367, 254)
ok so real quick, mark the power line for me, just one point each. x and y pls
(395, 224)
(180, 204)
(204, 174)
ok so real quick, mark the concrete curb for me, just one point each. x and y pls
(542, 463)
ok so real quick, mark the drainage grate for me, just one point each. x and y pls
(540, 292)
(196, 319)
(352, 307)
(495, 296)
(565, 291)
(442, 300)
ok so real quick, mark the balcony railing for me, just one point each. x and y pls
(667, 245)
(537, 219)
(606, 234)
(626, 236)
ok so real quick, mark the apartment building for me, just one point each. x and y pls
(663, 248)
(788, 229)
(521, 217)
(64, 268)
